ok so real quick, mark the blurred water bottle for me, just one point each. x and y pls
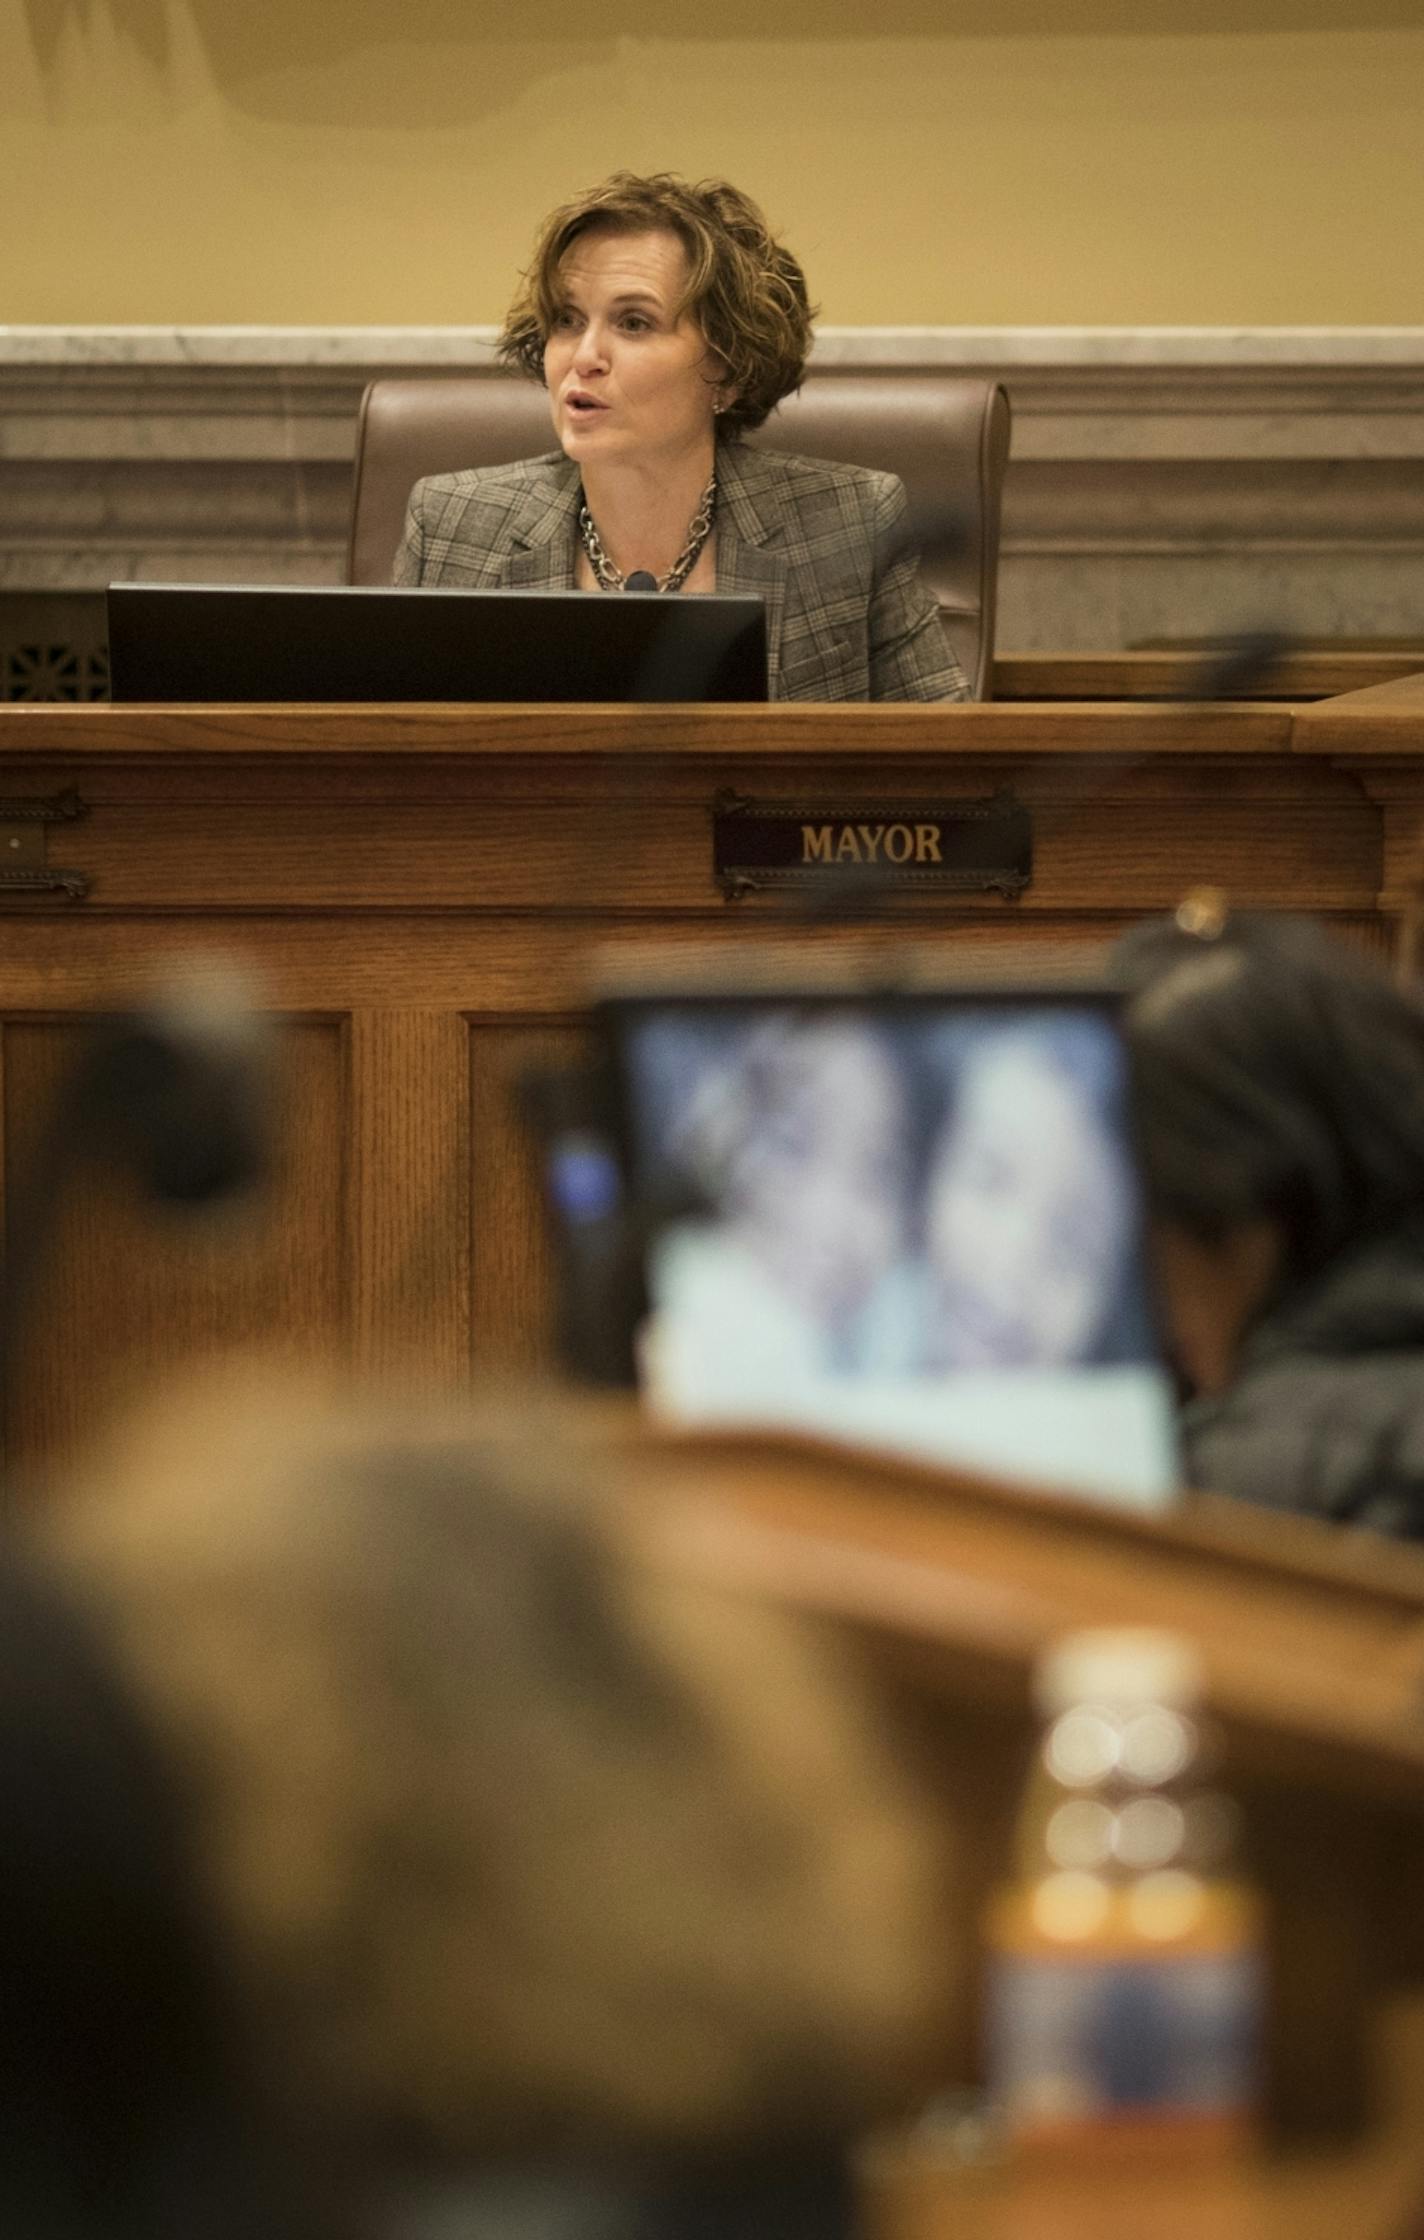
(1124, 1970)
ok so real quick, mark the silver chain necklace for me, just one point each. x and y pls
(610, 578)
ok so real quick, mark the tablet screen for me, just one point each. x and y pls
(915, 1222)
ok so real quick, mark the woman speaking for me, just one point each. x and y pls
(666, 322)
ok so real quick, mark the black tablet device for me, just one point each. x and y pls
(913, 1220)
(200, 642)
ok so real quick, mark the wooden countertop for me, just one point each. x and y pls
(1174, 674)
(576, 732)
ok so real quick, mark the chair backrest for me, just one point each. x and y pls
(947, 440)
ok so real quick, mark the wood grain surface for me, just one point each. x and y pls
(1373, 2190)
(423, 895)
(430, 889)
(1301, 673)
(510, 1329)
(132, 1293)
(408, 1196)
(952, 1587)
(796, 730)
(983, 1576)
(1384, 720)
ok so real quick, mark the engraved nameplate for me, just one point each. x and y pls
(974, 847)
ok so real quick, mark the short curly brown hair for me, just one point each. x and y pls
(746, 291)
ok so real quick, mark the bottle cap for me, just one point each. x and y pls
(1118, 1667)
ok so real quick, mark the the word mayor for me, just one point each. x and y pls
(871, 843)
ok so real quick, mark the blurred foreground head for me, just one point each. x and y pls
(1280, 1083)
(127, 2108)
(518, 1838)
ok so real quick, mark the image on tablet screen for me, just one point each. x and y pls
(916, 1223)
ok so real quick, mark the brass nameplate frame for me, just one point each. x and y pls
(964, 847)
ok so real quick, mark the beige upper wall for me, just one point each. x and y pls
(981, 162)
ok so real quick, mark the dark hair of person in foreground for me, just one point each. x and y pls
(124, 2112)
(1280, 1086)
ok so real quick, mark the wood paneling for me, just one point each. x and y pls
(421, 894)
(592, 734)
(653, 859)
(409, 1133)
(1384, 720)
(128, 1290)
(952, 1587)
(1369, 2191)
(1178, 674)
(438, 881)
(510, 1324)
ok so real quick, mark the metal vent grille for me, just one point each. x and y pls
(52, 647)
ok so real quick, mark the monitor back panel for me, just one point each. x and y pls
(268, 643)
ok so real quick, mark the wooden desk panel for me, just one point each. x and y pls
(124, 1291)
(420, 891)
(1312, 1643)
(1164, 674)
(797, 730)
(431, 882)
(1109, 842)
(1374, 2191)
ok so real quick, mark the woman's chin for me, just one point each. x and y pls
(583, 439)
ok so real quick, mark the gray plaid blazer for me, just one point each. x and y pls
(848, 614)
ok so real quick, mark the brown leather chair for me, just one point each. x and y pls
(948, 440)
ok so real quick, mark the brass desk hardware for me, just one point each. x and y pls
(24, 846)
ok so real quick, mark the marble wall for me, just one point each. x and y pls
(1164, 482)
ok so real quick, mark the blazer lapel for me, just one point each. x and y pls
(748, 531)
(543, 531)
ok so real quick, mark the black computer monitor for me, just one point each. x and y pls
(201, 642)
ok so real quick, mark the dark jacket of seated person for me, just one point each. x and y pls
(1280, 1084)
(849, 616)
